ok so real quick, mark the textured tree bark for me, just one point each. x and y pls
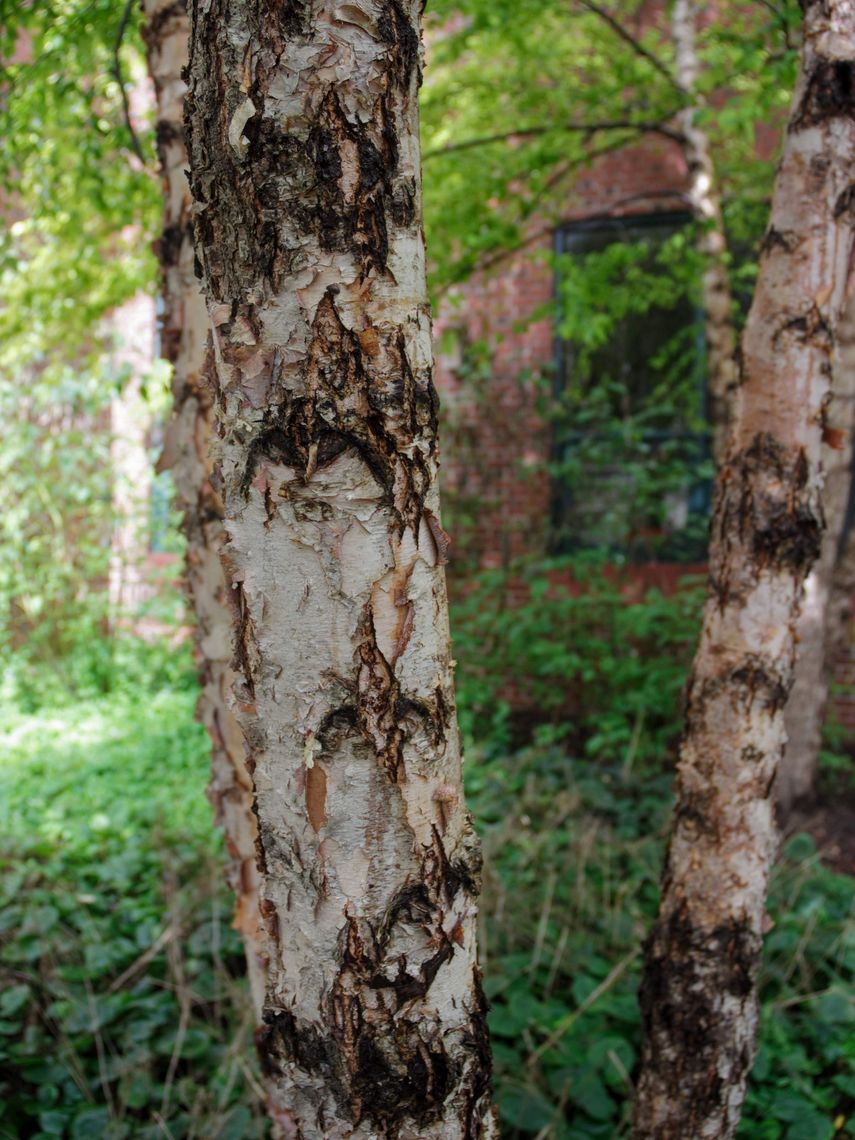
(184, 336)
(698, 995)
(826, 608)
(719, 332)
(304, 161)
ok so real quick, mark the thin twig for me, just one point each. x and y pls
(99, 1050)
(162, 1125)
(117, 73)
(576, 128)
(165, 935)
(175, 961)
(628, 38)
(570, 1020)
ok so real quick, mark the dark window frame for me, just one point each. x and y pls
(574, 237)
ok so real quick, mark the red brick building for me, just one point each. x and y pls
(499, 442)
(498, 359)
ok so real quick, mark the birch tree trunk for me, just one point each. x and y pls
(184, 341)
(719, 333)
(304, 161)
(698, 995)
(826, 607)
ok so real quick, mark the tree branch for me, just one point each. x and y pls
(579, 128)
(627, 37)
(117, 73)
(497, 256)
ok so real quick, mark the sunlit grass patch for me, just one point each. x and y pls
(124, 1011)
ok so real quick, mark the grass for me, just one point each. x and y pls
(124, 1012)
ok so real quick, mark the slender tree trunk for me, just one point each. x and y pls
(699, 991)
(826, 606)
(838, 631)
(719, 332)
(184, 333)
(304, 163)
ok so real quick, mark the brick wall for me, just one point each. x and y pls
(495, 354)
(497, 439)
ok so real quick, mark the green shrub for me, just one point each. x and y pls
(124, 1011)
(573, 856)
(561, 644)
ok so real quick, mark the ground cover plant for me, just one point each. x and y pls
(123, 1008)
(124, 1012)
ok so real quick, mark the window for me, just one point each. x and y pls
(631, 447)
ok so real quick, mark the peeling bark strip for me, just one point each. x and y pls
(184, 338)
(305, 170)
(698, 995)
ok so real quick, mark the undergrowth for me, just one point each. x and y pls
(124, 1012)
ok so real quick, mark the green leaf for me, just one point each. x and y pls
(524, 1107)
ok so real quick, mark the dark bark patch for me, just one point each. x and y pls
(775, 239)
(845, 204)
(688, 969)
(764, 502)
(365, 399)
(168, 246)
(281, 1041)
(695, 812)
(393, 1087)
(753, 679)
(452, 875)
(398, 33)
(378, 693)
(354, 164)
(809, 328)
(830, 94)
(244, 644)
(397, 1068)
(292, 16)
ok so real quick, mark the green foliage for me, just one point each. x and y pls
(567, 643)
(124, 1011)
(630, 437)
(59, 638)
(573, 856)
(83, 208)
(509, 86)
(55, 533)
(86, 207)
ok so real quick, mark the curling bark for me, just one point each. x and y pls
(716, 300)
(184, 341)
(698, 994)
(304, 163)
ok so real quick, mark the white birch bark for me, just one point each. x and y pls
(699, 991)
(719, 333)
(184, 342)
(304, 154)
(827, 603)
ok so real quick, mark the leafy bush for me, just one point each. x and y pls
(573, 857)
(60, 637)
(561, 644)
(123, 1007)
(124, 1012)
